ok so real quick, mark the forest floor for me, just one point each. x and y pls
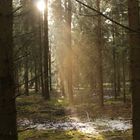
(56, 120)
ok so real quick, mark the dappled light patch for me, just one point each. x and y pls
(93, 127)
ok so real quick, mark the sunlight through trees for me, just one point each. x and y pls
(63, 62)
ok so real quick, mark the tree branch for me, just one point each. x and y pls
(18, 8)
(105, 16)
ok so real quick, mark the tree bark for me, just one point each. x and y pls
(118, 76)
(8, 129)
(69, 63)
(46, 54)
(41, 53)
(123, 72)
(50, 70)
(36, 73)
(26, 78)
(134, 23)
(99, 57)
(114, 65)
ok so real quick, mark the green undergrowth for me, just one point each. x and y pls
(57, 135)
(118, 135)
(73, 135)
(35, 107)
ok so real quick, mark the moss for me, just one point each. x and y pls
(35, 107)
(26, 134)
(110, 135)
(57, 135)
(73, 135)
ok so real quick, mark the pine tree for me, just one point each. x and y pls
(134, 23)
(8, 129)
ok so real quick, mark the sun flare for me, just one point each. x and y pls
(41, 5)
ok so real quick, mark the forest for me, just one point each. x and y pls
(69, 69)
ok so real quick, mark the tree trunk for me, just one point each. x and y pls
(41, 85)
(16, 73)
(118, 76)
(99, 57)
(124, 83)
(36, 73)
(134, 23)
(69, 63)
(50, 71)
(114, 66)
(26, 78)
(8, 129)
(62, 82)
(46, 54)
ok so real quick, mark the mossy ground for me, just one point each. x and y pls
(34, 107)
(72, 135)
(56, 135)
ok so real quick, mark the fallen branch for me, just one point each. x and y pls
(26, 129)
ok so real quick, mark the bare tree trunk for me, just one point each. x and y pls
(62, 82)
(41, 54)
(8, 129)
(36, 73)
(69, 63)
(26, 78)
(46, 55)
(124, 83)
(50, 72)
(134, 23)
(118, 76)
(99, 56)
(114, 66)
(17, 78)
